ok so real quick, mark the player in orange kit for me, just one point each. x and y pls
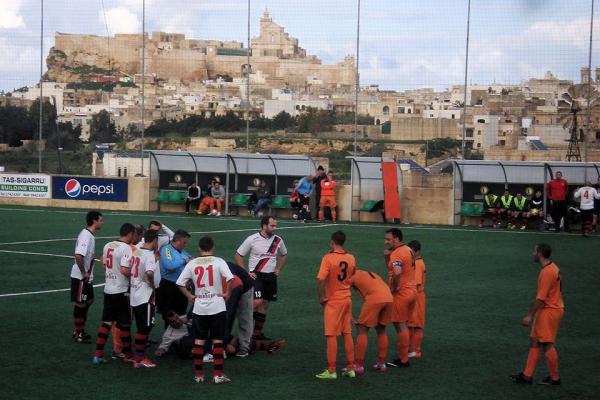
(335, 273)
(416, 324)
(376, 313)
(544, 317)
(401, 268)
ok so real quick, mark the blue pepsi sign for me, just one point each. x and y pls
(85, 188)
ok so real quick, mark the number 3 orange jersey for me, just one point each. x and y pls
(337, 267)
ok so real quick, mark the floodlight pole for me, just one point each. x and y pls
(247, 70)
(41, 86)
(357, 89)
(143, 81)
(589, 98)
(464, 116)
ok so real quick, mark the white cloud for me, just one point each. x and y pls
(9, 15)
(121, 20)
(14, 57)
(574, 33)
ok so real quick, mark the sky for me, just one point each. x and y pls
(404, 44)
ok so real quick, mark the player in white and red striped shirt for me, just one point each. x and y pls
(268, 256)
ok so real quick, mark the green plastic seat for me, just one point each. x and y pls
(162, 197)
(368, 205)
(239, 200)
(281, 202)
(471, 209)
(176, 197)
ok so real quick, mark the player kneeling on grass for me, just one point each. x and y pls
(335, 273)
(144, 280)
(544, 317)
(416, 323)
(208, 274)
(376, 313)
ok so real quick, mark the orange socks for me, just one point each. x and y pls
(349, 348)
(532, 359)
(416, 338)
(382, 346)
(403, 343)
(331, 352)
(552, 363)
(361, 348)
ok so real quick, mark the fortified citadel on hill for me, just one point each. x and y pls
(170, 56)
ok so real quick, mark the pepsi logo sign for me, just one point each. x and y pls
(72, 188)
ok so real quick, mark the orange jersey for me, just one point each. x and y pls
(371, 287)
(337, 267)
(549, 287)
(327, 188)
(402, 260)
(420, 277)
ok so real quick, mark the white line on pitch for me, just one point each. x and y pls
(42, 291)
(194, 233)
(433, 228)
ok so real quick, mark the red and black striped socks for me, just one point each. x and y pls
(198, 354)
(103, 332)
(218, 358)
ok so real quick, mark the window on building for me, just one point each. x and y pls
(401, 110)
(125, 171)
(409, 111)
(119, 171)
(377, 122)
(469, 132)
(479, 132)
(502, 143)
(481, 121)
(386, 110)
(478, 145)
(452, 116)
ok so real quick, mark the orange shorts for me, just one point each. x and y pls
(327, 201)
(545, 324)
(417, 319)
(404, 304)
(337, 316)
(372, 315)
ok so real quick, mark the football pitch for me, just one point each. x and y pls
(479, 285)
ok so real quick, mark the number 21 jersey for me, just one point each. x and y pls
(209, 275)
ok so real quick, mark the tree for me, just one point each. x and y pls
(315, 120)
(66, 136)
(102, 129)
(283, 120)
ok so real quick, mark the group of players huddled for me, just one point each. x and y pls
(146, 272)
(519, 210)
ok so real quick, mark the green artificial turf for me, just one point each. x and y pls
(479, 285)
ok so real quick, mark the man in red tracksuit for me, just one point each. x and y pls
(557, 191)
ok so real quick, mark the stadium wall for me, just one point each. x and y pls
(137, 199)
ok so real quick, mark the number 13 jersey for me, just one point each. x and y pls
(209, 276)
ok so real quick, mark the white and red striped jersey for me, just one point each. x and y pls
(85, 247)
(263, 252)
(587, 195)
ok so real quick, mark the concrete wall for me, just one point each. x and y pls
(137, 194)
(427, 199)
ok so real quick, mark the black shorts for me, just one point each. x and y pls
(116, 309)
(265, 286)
(587, 215)
(597, 210)
(144, 316)
(81, 291)
(213, 326)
